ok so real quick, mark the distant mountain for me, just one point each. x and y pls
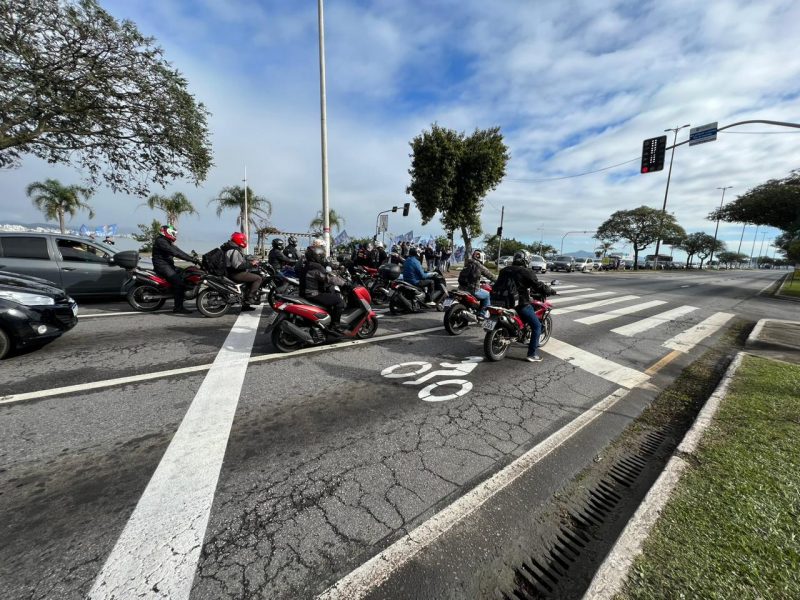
(580, 254)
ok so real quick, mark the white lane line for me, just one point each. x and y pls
(119, 314)
(157, 553)
(686, 340)
(591, 305)
(563, 299)
(577, 290)
(596, 365)
(625, 310)
(370, 575)
(84, 387)
(654, 321)
(560, 287)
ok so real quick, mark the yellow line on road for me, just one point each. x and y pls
(663, 362)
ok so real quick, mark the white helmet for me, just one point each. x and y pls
(479, 256)
(379, 244)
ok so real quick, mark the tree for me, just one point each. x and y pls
(692, 244)
(173, 206)
(334, 220)
(604, 248)
(233, 198)
(451, 173)
(541, 248)
(147, 235)
(80, 87)
(56, 200)
(731, 258)
(640, 227)
(510, 246)
(707, 246)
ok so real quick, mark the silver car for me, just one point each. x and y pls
(538, 264)
(584, 265)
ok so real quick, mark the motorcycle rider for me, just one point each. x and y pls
(316, 285)
(164, 254)
(414, 274)
(291, 248)
(236, 264)
(362, 258)
(378, 255)
(469, 280)
(277, 258)
(395, 257)
(520, 278)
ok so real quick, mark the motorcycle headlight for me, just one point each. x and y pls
(27, 299)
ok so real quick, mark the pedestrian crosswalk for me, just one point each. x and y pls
(654, 321)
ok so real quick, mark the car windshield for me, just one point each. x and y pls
(564, 258)
(537, 258)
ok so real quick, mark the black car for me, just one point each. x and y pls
(32, 311)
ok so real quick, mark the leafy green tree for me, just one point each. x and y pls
(541, 248)
(692, 244)
(775, 203)
(730, 259)
(640, 227)
(173, 206)
(81, 88)
(793, 253)
(510, 246)
(707, 246)
(259, 209)
(56, 200)
(147, 235)
(451, 173)
(334, 220)
(604, 248)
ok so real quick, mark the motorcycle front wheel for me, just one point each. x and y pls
(455, 319)
(367, 329)
(547, 330)
(284, 341)
(211, 303)
(141, 298)
(496, 343)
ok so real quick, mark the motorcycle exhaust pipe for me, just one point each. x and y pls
(297, 332)
(405, 301)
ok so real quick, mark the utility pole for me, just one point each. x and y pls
(716, 229)
(500, 233)
(326, 223)
(666, 192)
(761, 247)
(753, 249)
(246, 224)
(739, 249)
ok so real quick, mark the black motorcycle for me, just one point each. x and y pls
(219, 292)
(279, 284)
(408, 298)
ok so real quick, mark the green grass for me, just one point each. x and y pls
(792, 287)
(732, 528)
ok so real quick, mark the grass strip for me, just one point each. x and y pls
(732, 527)
(792, 287)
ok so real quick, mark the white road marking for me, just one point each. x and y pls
(654, 321)
(596, 365)
(157, 553)
(625, 310)
(591, 305)
(577, 290)
(370, 575)
(686, 340)
(562, 299)
(560, 287)
(119, 314)
(94, 385)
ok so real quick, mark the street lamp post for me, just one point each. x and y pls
(666, 192)
(761, 247)
(565, 235)
(716, 229)
(541, 239)
(326, 222)
(753, 249)
(378, 218)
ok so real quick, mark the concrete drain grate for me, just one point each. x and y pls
(547, 574)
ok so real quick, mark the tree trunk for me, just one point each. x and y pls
(61, 221)
(467, 242)
(635, 258)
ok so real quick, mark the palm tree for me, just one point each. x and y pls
(56, 200)
(258, 208)
(174, 206)
(605, 247)
(334, 220)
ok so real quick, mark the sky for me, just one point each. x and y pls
(574, 86)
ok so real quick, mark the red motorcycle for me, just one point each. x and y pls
(151, 291)
(297, 322)
(461, 310)
(504, 326)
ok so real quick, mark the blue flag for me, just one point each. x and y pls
(84, 231)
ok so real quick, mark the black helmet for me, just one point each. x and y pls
(292, 240)
(413, 252)
(315, 254)
(520, 259)
(277, 243)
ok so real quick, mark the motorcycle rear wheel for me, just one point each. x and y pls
(367, 329)
(211, 303)
(379, 295)
(284, 342)
(137, 298)
(496, 343)
(455, 321)
(395, 306)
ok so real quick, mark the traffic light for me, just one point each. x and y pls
(406, 208)
(394, 209)
(653, 151)
(499, 231)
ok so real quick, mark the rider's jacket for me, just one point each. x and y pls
(164, 255)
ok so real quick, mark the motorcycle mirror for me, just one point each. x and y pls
(555, 282)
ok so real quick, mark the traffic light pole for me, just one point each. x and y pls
(500, 233)
(666, 193)
(716, 229)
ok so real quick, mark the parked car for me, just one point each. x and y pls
(80, 266)
(551, 262)
(538, 264)
(504, 261)
(564, 263)
(627, 265)
(584, 265)
(32, 311)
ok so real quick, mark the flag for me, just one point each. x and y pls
(112, 229)
(100, 230)
(84, 231)
(408, 237)
(458, 255)
(341, 239)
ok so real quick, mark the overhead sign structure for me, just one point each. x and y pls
(653, 151)
(703, 134)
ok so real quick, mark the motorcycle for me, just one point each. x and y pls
(378, 281)
(504, 326)
(151, 291)
(408, 298)
(461, 310)
(281, 283)
(218, 292)
(297, 322)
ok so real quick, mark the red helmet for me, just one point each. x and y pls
(239, 239)
(169, 232)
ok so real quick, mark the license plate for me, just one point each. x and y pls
(271, 318)
(489, 324)
(75, 310)
(447, 302)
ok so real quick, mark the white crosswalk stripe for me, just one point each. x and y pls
(564, 287)
(618, 312)
(558, 300)
(654, 321)
(591, 305)
(686, 340)
(574, 291)
(597, 365)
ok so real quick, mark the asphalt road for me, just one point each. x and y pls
(179, 457)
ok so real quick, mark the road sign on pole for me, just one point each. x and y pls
(653, 151)
(704, 133)
(383, 223)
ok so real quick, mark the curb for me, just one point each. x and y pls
(754, 343)
(777, 293)
(613, 572)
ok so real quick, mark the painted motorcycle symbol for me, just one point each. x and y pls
(455, 372)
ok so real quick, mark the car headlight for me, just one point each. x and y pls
(27, 299)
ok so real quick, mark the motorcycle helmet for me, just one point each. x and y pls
(369, 247)
(318, 242)
(292, 240)
(379, 244)
(277, 243)
(520, 259)
(315, 254)
(413, 252)
(395, 249)
(169, 232)
(239, 239)
(479, 256)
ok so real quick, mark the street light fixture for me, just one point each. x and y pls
(565, 235)
(675, 130)
(716, 229)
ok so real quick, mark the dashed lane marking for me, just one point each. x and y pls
(645, 324)
(618, 312)
(686, 340)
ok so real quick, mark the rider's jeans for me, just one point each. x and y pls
(483, 296)
(528, 315)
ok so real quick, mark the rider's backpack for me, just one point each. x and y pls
(470, 275)
(213, 262)
(505, 292)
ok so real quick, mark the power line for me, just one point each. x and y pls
(579, 174)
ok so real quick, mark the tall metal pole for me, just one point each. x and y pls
(666, 192)
(753, 249)
(739, 249)
(326, 225)
(716, 229)
(246, 224)
(761, 247)
(500, 243)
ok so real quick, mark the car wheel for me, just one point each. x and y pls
(5, 344)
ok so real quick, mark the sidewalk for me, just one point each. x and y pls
(721, 521)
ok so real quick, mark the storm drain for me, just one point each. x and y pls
(590, 524)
